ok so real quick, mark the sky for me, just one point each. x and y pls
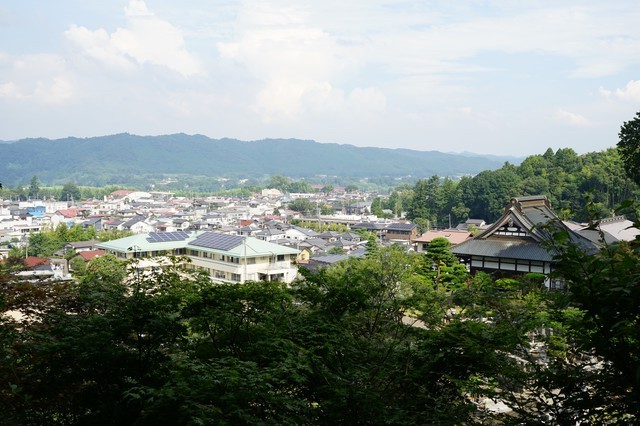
(503, 77)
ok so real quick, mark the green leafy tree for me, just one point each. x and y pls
(487, 193)
(113, 234)
(107, 270)
(300, 186)
(304, 206)
(34, 187)
(87, 346)
(376, 207)
(327, 189)
(629, 147)
(426, 200)
(335, 250)
(78, 265)
(372, 248)
(604, 291)
(393, 203)
(70, 191)
(442, 265)
(44, 244)
(279, 182)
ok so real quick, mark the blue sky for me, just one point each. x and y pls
(497, 77)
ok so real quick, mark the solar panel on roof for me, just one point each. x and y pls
(160, 237)
(218, 241)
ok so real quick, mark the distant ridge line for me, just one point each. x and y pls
(54, 160)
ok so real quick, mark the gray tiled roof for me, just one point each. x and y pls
(400, 226)
(531, 214)
(509, 248)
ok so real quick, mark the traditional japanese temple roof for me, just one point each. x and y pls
(520, 233)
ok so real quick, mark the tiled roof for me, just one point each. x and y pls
(400, 226)
(33, 261)
(88, 255)
(370, 226)
(83, 244)
(68, 213)
(526, 215)
(454, 236)
(504, 248)
(252, 248)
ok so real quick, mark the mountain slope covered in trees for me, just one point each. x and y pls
(110, 159)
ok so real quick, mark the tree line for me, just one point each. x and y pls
(569, 180)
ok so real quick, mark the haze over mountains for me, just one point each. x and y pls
(98, 160)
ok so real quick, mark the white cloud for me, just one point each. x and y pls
(300, 67)
(147, 39)
(421, 74)
(572, 118)
(41, 78)
(10, 90)
(631, 92)
(98, 45)
(605, 93)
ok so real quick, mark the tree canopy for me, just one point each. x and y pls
(385, 339)
(629, 146)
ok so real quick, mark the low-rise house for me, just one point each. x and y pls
(93, 222)
(181, 224)
(454, 236)
(137, 225)
(326, 260)
(470, 224)
(115, 223)
(315, 245)
(358, 208)
(304, 256)
(37, 267)
(401, 232)
(329, 236)
(81, 246)
(270, 234)
(227, 258)
(351, 236)
(298, 233)
(66, 216)
(373, 227)
(91, 254)
(345, 245)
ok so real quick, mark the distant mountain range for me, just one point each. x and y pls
(110, 159)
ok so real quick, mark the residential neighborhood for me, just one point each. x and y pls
(261, 241)
(252, 223)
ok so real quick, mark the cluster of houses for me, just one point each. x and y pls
(259, 240)
(237, 240)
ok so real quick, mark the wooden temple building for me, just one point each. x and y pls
(515, 243)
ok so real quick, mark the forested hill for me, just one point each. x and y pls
(96, 160)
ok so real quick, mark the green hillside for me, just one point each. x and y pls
(110, 159)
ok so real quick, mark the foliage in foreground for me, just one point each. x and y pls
(390, 339)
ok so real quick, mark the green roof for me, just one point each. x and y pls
(248, 246)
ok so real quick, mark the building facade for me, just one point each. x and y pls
(226, 258)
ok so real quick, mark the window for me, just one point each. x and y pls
(235, 277)
(280, 257)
